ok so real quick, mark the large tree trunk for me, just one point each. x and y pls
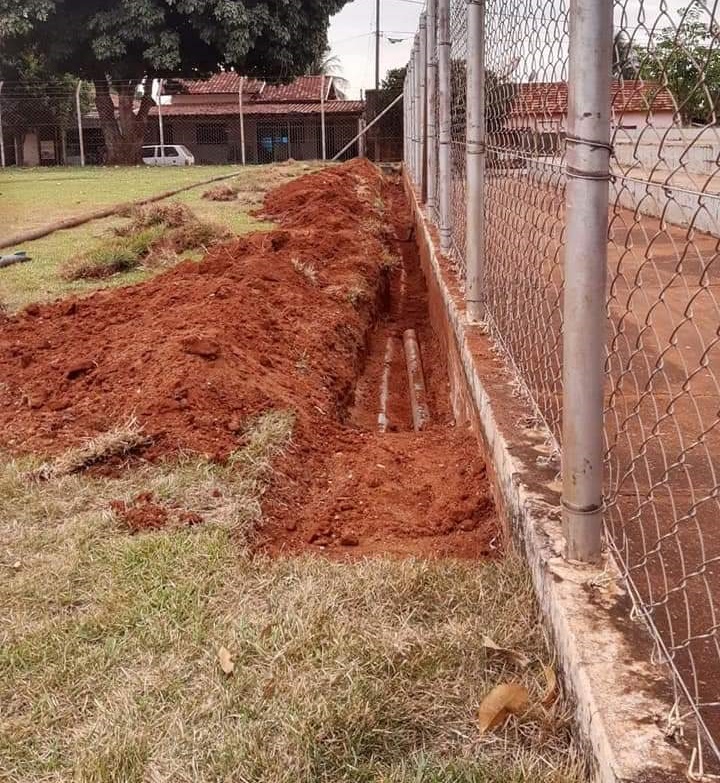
(124, 129)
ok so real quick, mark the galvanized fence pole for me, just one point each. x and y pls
(161, 126)
(444, 128)
(413, 98)
(241, 112)
(322, 117)
(585, 265)
(431, 105)
(416, 125)
(422, 49)
(2, 137)
(475, 160)
(78, 110)
(362, 141)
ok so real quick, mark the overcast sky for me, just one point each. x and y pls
(352, 39)
(351, 31)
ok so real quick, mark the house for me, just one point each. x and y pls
(209, 116)
(542, 106)
(277, 121)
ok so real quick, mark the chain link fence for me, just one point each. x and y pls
(612, 134)
(225, 119)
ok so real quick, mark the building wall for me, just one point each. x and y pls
(268, 139)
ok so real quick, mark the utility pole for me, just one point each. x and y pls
(377, 44)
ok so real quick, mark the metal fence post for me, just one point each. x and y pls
(362, 141)
(444, 172)
(2, 136)
(78, 109)
(322, 117)
(585, 265)
(241, 111)
(475, 160)
(422, 97)
(432, 152)
(161, 126)
(416, 127)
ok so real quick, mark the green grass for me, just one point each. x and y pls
(32, 198)
(371, 671)
(42, 279)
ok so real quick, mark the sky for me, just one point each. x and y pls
(352, 39)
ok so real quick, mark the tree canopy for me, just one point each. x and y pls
(119, 43)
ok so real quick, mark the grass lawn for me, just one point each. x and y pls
(372, 671)
(32, 198)
(37, 191)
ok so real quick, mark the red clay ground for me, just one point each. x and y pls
(289, 319)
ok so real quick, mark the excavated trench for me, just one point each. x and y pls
(387, 487)
(307, 319)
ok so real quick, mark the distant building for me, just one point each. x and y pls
(542, 106)
(280, 121)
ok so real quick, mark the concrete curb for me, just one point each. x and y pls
(621, 699)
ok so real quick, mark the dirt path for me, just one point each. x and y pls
(397, 492)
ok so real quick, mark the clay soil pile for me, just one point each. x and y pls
(279, 320)
(196, 352)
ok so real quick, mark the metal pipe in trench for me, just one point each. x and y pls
(383, 420)
(416, 380)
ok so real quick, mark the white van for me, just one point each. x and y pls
(167, 155)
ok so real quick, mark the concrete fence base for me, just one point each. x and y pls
(621, 699)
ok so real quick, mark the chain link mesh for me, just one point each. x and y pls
(663, 367)
(662, 411)
(458, 79)
(41, 124)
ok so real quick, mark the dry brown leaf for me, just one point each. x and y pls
(508, 698)
(517, 657)
(551, 689)
(226, 661)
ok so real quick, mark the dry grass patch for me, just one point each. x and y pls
(117, 442)
(370, 671)
(221, 193)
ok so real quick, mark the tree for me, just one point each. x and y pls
(120, 45)
(328, 64)
(394, 79)
(686, 60)
(36, 97)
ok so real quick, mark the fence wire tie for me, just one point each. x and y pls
(592, 176)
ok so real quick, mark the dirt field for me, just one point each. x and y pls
(193, 464)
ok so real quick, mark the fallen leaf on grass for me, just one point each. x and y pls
(551, 689)
(508, 698)
(517, 657)
(226, 661)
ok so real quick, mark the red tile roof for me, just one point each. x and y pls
(258, 109)
(547, 98)
(304, 88)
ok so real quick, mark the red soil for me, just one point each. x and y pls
(276, 320)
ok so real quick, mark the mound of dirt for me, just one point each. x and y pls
(203, 346)
(276, 320)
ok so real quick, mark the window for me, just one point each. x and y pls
(211, 133)
(170, 152)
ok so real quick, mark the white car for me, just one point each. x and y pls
(167, 155)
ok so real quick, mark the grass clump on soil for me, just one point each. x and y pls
(117, 442)
(162, 231)
(370, 671)
(221, 193)
(114, 256)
